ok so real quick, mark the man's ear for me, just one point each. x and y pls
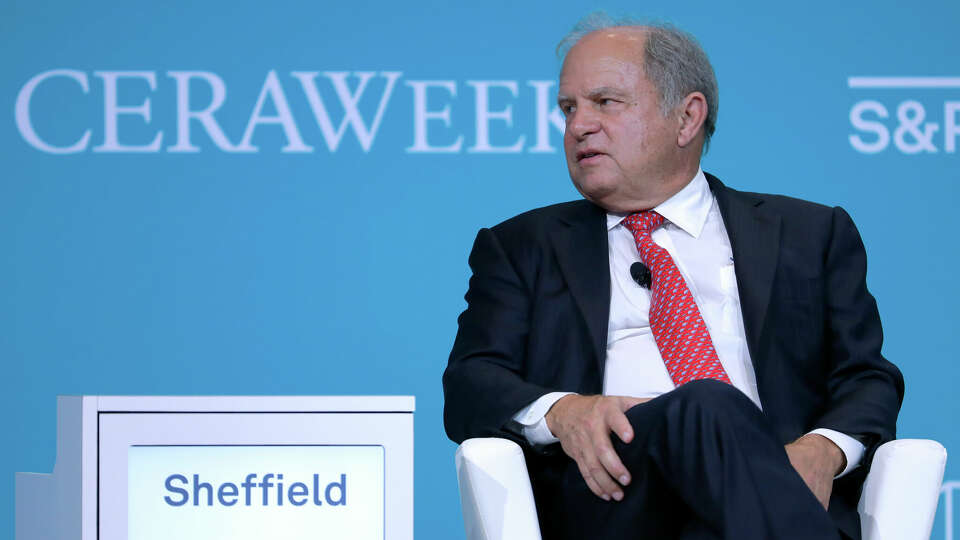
(693, 113)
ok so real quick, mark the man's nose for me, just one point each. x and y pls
(582, 122)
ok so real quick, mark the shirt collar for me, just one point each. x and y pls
(687, 209)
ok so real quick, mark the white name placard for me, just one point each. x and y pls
(255, 492)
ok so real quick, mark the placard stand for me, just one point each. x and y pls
(66, 505)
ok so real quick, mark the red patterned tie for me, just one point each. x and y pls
(675, 320)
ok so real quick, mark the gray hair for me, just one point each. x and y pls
(673, 61)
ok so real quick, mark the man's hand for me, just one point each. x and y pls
(583, 425)
(817, 459)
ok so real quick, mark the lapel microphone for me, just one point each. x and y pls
(641, 274)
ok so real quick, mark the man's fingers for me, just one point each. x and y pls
(591, 483)
(583, 425)
(596, 478)
(607, 485)
(614, 467)
(594, 470)
(621, 426)
(619, 423)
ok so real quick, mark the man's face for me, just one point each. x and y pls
(618, 143)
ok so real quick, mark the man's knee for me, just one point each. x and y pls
(702, 402)
(702, 410)
(709, 398)
(710, 402)
(713, 393)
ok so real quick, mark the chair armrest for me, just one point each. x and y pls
(900, 494)
(495, 491)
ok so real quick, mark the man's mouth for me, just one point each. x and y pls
(588, 155)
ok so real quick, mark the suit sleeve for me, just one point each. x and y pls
(484, 382)
(865, 389)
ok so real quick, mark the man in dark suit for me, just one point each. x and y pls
(738, 393)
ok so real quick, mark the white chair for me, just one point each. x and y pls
(898, 503)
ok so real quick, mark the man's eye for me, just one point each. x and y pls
(605, 101)
(568, 109)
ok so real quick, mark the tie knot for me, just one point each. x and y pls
(643, 222)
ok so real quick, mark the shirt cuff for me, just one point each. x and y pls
(533, 418)
(852, 449)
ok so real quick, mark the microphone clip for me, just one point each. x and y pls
(641, 274)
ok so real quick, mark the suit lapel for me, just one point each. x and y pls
(580, 244)
(755, 239)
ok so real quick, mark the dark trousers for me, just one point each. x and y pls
(704, 464)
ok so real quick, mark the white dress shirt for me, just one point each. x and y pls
(694, 235)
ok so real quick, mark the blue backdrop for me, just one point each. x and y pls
(279, 197)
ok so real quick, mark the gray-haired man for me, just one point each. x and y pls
(722, 398)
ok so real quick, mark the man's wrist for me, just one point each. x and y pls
(836, 457)
(852, 448)
(533, 422)
(551, 415)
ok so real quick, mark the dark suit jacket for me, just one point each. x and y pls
(539, 300)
